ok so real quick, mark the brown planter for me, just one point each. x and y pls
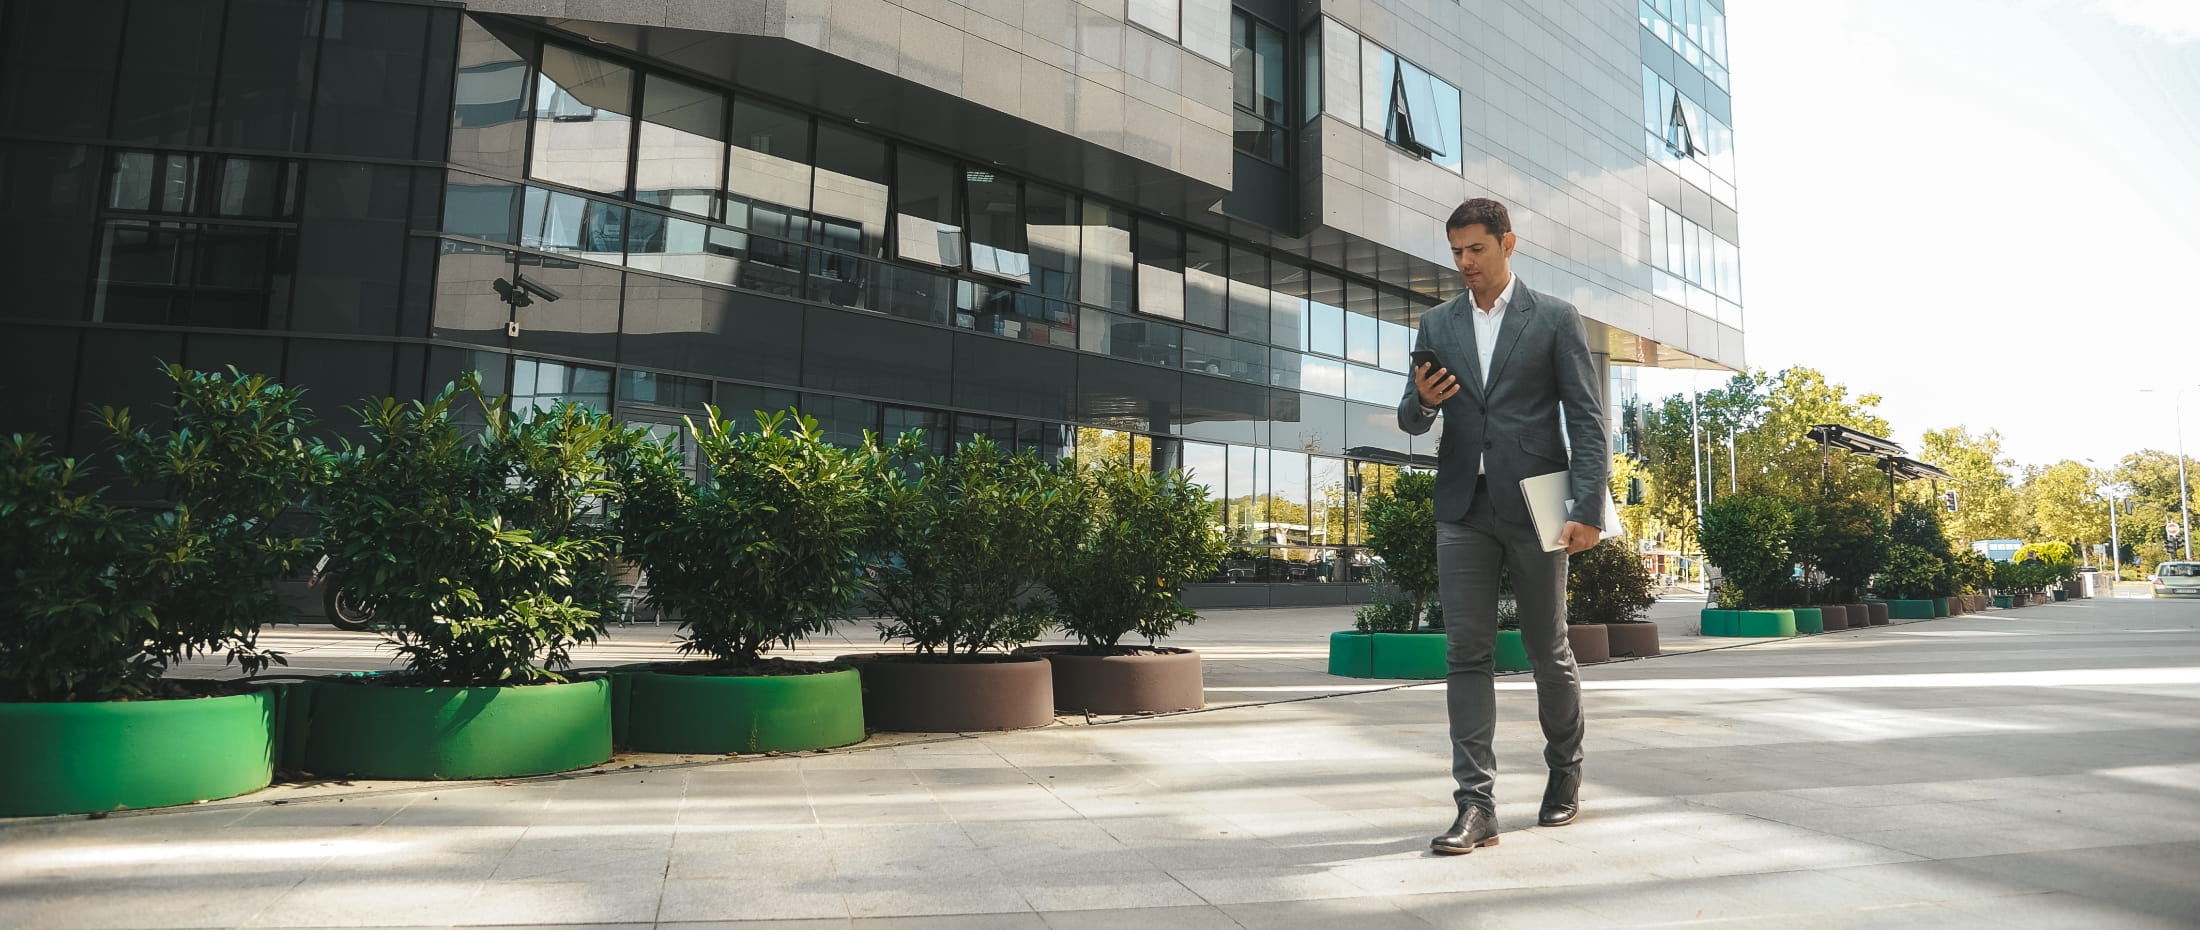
(1834, 616)
(914, 695)
(1149, 681)
(1632, 639)
(1874, 614)
(1590, 641)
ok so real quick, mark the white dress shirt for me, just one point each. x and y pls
(1486, 326)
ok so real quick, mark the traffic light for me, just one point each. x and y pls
(1948, 497)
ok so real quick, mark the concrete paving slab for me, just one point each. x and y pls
(2019, 768)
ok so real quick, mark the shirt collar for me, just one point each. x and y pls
(1504, 298)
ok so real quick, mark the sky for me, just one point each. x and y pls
(1985, 211)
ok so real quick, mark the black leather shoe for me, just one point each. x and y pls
(1561, 800)
(1475, 828)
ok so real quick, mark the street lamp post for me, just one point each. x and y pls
(2111, 492)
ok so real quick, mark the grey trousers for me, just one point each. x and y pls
(1468, 555)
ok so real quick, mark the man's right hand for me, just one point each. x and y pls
(1435, 385)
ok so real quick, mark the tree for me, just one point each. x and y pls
(1988, 506)
(2063, 505)
(1401, 527)
(1747, 536)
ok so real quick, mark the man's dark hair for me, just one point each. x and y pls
(1483, 212)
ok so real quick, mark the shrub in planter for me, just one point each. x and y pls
(477, 552)
(1401, 530)
(1748, 537)
(964, 541)
(1148, 533)
(1849, 544)
(1911, 577)
(1607, 585)
(97, 601)
(762, 549)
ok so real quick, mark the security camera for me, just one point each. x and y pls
(537, 288)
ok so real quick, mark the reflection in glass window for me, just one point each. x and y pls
(1096, 445)
(1326, 501)
(682, 145)
(1288, 524)
(1248, 502)
(479, 207)
(1207, 466)
(1322, 376)
(768, 170)
(1162, 16)
(927, 216)
(1249, 296)
(1206, 291)
(540, 384)
(1361, 344)
(560, 222)
(848, 199)
(1139, 340)
(651, 389)
(1368, 385)
(1393, 330)
(678, 247)
(997, 245)
(1052, 232)
(1258, 78)
(1325, 315)
(1160, 270)
(1107, 275)
(583, 107)
(488, 102)
(255, 187)
(131, 187)
(1221, 355)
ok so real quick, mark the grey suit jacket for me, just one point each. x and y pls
(1541, 362)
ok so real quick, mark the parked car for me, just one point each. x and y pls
(2176, 579)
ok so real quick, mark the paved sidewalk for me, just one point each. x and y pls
(2031, 768)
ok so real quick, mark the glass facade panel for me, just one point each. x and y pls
(488, 102)
(710, 330)
(848, 198)
(268, 49)
(582, 324)
(679, 160)
(768, 170)
(584, 106)
(1053, 232)
(1160, 270)
(927, 214)
(997, 233)
(540, 384)
(1362, 334)
(1230, 358)
(352, 248)
(1108, 272)
(164, 85)
(1206, 290)
(559, 222)
(1324, 315)
(373, 69)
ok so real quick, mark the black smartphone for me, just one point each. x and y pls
(1424, 357)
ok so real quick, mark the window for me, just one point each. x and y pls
(848, 197)
(539, 384)
(1160, 270)
(1206, 291)
(1257, 65)
(1409, 106)
(1051, 218)
(1106, 257)
(678, 164)
(583, 109)
(768, 170)
(997, 240)
(1161, 16)
(927, 227)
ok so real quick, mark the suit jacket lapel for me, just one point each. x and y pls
(1508, 332)
(1462, 322)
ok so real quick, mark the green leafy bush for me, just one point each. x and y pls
(965, 539)
(1849, 543)
(98, 601)
(1973, 571)
(765, 548)
(1147, 534)
(1401, 528)
(1607, 584)
(474, 548)
(1748, 536)
(1918, 525)
(1912, 573)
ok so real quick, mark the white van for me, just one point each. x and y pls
(2177, 579)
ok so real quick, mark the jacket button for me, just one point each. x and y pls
(1486, 444)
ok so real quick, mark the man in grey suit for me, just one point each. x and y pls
(1506, 359)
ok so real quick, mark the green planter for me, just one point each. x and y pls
(356, 728)
(2061, 595)
(1409, 655)
(73, 758)
(2004, 601)
(1751, 623)
(1809, 620)
(655, 710)
(1512, 655)
(1352, 654)
(1941, 608)
(1909, 609)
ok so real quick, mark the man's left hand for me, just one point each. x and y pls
(1578, 537)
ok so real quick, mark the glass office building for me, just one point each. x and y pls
(1196, 233)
